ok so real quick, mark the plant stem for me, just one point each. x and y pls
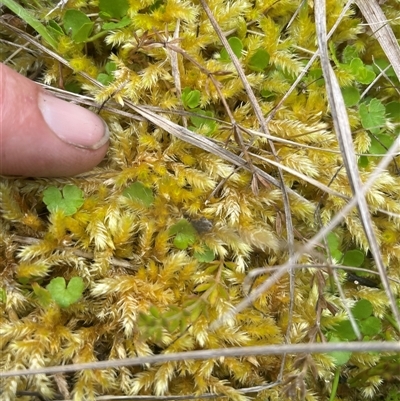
(335, 384)
(31, 20)
(97, 36)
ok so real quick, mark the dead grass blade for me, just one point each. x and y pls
(314, 348)
(343, 132)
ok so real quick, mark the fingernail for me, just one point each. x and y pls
(73, 124)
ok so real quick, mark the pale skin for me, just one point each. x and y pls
(42, 136)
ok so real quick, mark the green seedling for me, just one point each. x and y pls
(362, 73)
(372, 115)
(349, 53)
(63, 295)
(354, 258)
(185, 234)
(200, 122)
(190, 98)
(107, 77)
(139, 192)
(191, 101)
(369, 326)
(236, 46)
(69, 200)
(78, 25)
(259, 61)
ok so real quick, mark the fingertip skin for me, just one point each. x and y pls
(28, 146)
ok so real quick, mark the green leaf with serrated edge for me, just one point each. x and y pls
(362, 73)
(259, 60)
(191, 98)
(371, 326)
(204, 256)
(351, 95)
(63, 295)
(140, 192)
(353, 258)
(114, 8)
(107, 26)
(349, 53)
(236, 46)
(362, 309)
(372, 115)
(345, 331)
(380, 144)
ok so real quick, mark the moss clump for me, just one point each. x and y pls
(168, 233)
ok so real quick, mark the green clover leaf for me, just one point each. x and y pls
(185, 234)
(236, 46)
(69, 201)
(190, 98)
(372, 115)
(259, 60)
(64, 295)
(139, 192)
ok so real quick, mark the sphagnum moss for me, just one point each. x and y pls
(155, 282)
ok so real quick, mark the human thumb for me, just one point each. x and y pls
(41, 135)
